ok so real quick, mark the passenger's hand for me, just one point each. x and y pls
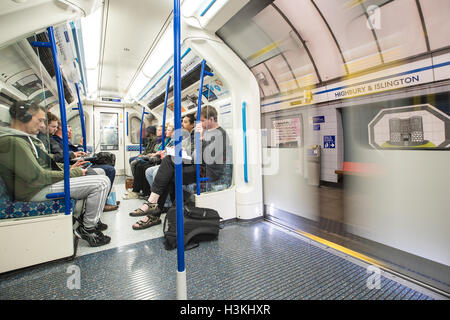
(80, 154)
(79, 163)
(83, 171)
(199, 129)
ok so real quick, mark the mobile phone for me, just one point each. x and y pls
(86, 165)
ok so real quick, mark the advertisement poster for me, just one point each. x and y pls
(286, 132)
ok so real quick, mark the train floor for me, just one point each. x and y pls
(250, 260)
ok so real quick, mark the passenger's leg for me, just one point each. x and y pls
(133, 166)
(153, 209)
(132, 159)
(150, 173)
(93, 189)
(110, 171)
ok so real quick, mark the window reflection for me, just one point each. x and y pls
(109, 131)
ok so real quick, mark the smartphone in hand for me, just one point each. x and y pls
(86, 165)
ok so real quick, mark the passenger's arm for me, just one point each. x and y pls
(26, 166)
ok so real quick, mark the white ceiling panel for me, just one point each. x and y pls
(265, 80)
(400, 38)
(307, 21)
(288, 43)
(131, 28)
(349, 24)
(437, 20)
(282, 73)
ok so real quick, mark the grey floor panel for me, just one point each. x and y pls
(249, 261)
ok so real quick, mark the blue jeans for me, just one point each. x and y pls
(150, 175)
(110, 172)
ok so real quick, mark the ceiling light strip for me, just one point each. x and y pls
(167, 72)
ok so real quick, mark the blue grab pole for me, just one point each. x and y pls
(62, 109)
(164, 114)
(244, 128)
(181, 275)
(197, 134)
(80, 110)
(127, 121)
(140, 134)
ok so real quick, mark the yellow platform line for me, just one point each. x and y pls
(342, 249)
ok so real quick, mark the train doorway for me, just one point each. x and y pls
(109, 134)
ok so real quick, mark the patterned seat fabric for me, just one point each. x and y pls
(134, 148)
(221, 184)
(19, 209)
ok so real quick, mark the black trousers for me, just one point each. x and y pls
(140, 182)
(164, 183)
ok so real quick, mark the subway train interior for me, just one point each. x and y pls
(335, 118)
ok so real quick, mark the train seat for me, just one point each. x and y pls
(19, 209)
(221, 184)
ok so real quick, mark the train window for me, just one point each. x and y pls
(75, 124)
(109, 128)
(135, 129)
(5, 119)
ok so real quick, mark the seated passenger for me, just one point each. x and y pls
(49, 130)
(149, 142)
(144, 162)
(57, 152)
(187, 124)
(27, 180)
(213, 157)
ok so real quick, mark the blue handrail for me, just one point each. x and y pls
(164, 115)
(197, 134)
(80, 110)
(244, 129)
(140, 135)
(62, 109)
(207, 8)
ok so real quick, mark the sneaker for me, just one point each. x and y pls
(94, 237)
(131, 195)
(101, 226)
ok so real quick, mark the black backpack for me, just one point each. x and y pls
(105, 158)
(200, 224)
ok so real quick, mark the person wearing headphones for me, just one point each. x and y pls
(27, 180)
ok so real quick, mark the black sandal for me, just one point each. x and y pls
(152, 209)
(152, 221)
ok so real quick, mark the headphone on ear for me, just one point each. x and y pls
(20, 111)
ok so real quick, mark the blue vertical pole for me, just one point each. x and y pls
(80, 110)
(140, 133)
(181, 274)
(197, 134)
(62, 109)
(244, 129)
(164, 114)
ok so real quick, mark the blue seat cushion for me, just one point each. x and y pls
(19, 209)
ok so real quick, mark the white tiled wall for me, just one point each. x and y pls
(331, 159)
